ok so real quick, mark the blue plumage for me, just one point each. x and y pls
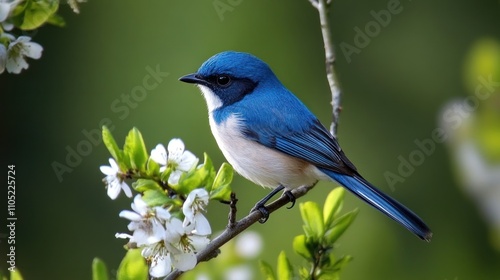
(271, 138)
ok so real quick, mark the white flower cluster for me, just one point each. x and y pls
(179, 159)
(13, 51)
(166, 240)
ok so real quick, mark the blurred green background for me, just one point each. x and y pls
(393, 90)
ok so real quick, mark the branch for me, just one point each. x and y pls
(238, 227)
(322, 7)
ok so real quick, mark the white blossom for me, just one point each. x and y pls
(179, 159)
(158, 258)
(147, 223)
(114, 180)
(17, 52)
(183, 244)
(193, 209)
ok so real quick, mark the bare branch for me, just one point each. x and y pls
(322, 7)
(232, 211)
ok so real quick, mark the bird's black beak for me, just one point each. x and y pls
(193, 79)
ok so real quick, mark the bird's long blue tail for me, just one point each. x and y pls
(395, 210)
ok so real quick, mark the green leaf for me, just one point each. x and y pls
(191, 180)
(341, 263)
(209, 166)
(285, 269)
(37, 13)
(267, 271)
(57, 20)
(221, 189)
(99, 270)
(304, 273)
(110, 143)
(340, 225)
(333, 205)
(155, 197)
(133, 266)
(196, 178)
(327, 275)
(142, 185)
(153, 168)
(313, 219)
(135, 149)
(301, 248)
(15, 275)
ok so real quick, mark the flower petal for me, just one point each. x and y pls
(187, 161)
(107, 170)
(184, 261)
(123, 235)
(113, 190)
(139, 205)
(159, 154)
(4, 11)
(160, 266)
(33, 50)
(174, 231)
(114, 165)
(162, 213)
(199, 242)
(202, 226)
(174, 177)
(130, 215)
(126, 189)
(175, 149)
(16, 64)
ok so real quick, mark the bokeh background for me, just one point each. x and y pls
(394, 90)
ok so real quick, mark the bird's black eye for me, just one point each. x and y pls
(223, 80)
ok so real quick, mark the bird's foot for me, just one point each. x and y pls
(291, 198)
(263, 211)
(261, 205)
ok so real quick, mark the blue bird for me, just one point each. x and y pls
(271, 138)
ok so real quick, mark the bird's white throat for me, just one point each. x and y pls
(213, 101)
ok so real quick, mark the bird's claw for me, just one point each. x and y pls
(263, 211)
(291, 197)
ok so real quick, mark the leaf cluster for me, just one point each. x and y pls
(322, 228)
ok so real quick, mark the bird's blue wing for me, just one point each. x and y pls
(317, 146)
(300, 135)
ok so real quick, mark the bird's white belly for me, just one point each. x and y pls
(259, 164)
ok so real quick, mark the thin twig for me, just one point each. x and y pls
(232, 211)
(240, 226)
(322, 7)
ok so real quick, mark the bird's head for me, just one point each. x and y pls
(227, 77)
